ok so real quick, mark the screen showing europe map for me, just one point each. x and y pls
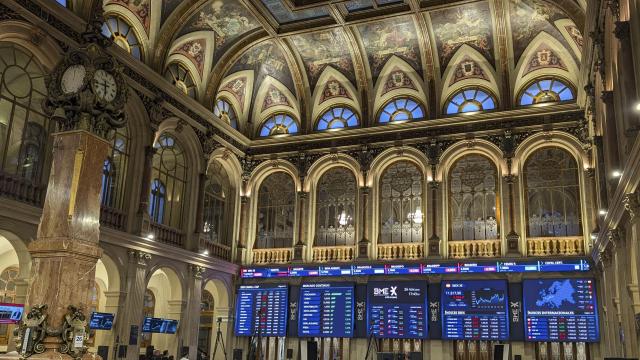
(560, 310)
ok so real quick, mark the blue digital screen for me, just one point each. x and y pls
(11, 313)
(560, 310)
(158, 325)
(261, 310)
(397, 310)
(326, 310)
(101, 321)
(475, 310)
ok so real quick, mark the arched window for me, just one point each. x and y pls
(8, 279)
(148, 310)
(276, 207)
(473, 199)
(114, 171)
(123, 35)
(280, 124)
(401, 210)
(337, 118)
(62, 2)
(180, 77)
(470, 100)
(215, 201)
(401, 109)
(553, 194)
(542, 91)
(336, 208)
(169, 181)
(225, 112)
(24, 128)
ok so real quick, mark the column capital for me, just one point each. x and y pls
(196, 271)
(303, 194)
(365, 190)
(615, 236)
(510, 179)
(434, 185)
(244, 199)
(631, 204)
(590, 172)
(140, 258)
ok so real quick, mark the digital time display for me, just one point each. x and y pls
(560, 310)
(261, 310)
(326, 310)
(475, 310)
(397, 310)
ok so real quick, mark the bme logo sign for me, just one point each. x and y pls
(387, 292)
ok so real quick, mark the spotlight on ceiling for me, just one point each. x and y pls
(616, 173)
(602, 212)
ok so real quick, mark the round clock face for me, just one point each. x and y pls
(104, 86)
(73, 79)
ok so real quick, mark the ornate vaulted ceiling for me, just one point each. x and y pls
(303, 57)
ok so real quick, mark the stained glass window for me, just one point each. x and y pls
(553, 194)
(280, 124)
(335, 208)
(276, 207)
(169, 182)
(402, 109)
(470, 100)
(180, 77)
(337, 118)
(401, 209)
(24, 128)
(546, 91)
(473, 199)
(225, 112)
(122, 35)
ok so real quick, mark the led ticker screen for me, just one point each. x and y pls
(261, 310)
(519, 266)
(101, 321)
(326, 310)
(10, 313)
(475, 310)
(397, 310)
(158, 325)
(560, 310)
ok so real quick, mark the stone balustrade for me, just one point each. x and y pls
(551, 246)
(20, 189)
(113, 218)
(400, 251)
(272, 256)
(474, 249)
(168, 235)
(215, 249)
(334, 253)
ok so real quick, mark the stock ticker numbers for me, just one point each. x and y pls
(261, 310)
(397, 310)
(475, 310)
(326, 310)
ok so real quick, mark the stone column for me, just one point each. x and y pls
(299, 248)
(175, 342)
(434, 239)
(143, 220)
(200, 235)
(610, 143)
(363, 244)
(627, 84)
(241, 249)
(190, 324)
(513, 239)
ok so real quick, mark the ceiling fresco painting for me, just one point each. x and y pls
(575, 35)
(228, 19)
(398, 79)
(528, 19)
(468, 68)
(168, 6)
(140, 8)
(194, 50)
(274, 98)
(544, 57)
(321, 49)
(238, 88)
(384, 39)
(333, 89)
(469, 24)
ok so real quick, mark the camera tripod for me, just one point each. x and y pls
(219, 339)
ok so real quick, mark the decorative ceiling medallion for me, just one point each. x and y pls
(468, 69)
(194, 50)
(238, 88)
(544, 58)
(274, 97)
(140, 8)
(333, 89)
(396, 80)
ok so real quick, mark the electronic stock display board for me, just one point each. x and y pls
(159, 325)
(261, 310)
(397, 309)
(101, 321)
(474, 310)
(560, 310)
(326, 310)
(11, 313)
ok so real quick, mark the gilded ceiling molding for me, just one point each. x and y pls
(502, 44)
(362, 71)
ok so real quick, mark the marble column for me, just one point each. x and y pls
(199, 235)
(129, 321)
(113, 305)
(174, 342)
(143, 221)
(243, 237)
(190, 324)
(299, 248)
(66, 250)
(363, 244)
(434, 239)
(513, 239)
(627, 84)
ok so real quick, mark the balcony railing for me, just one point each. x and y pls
(167, 235)
(474, 249)
(20, 189)
(550, 246)
(113, 218)
(400, 251)
(214, 248)
(271, 256)
(333, 253)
